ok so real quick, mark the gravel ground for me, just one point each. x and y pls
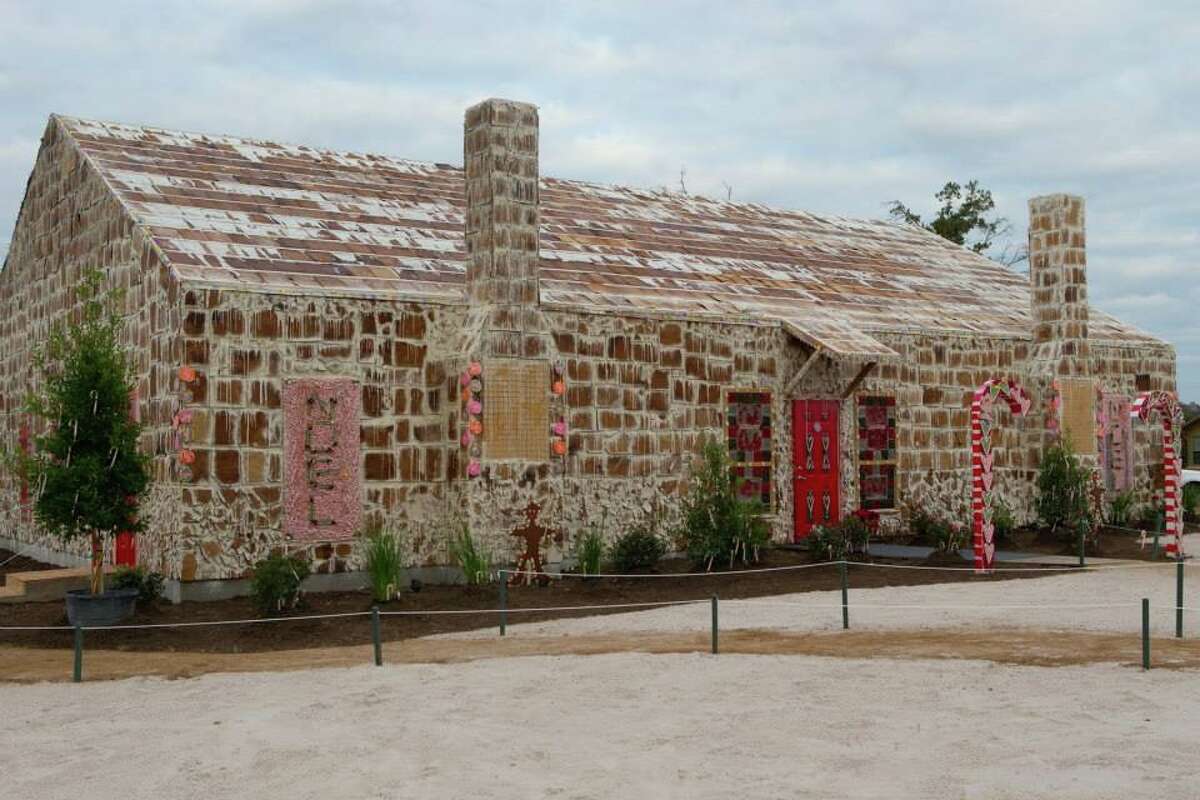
(622, 725)
(1102, 601)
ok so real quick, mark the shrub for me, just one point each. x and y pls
(717, 523)
(1003, 520)
(476, 563)
(637, 549)
(1063, 499)
(590, 552)
(149, 585)
(849, 538)
(948, 537)
(276, 582)
(384, 561)
(1121, 509)
(1191, 501)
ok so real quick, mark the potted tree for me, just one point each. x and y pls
(86, 468)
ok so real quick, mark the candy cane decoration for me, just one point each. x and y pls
(982, 425)
(1171, 415)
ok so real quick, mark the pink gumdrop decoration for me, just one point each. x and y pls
(464, 379)
(185, 416)
(466, 438)
(475, 407)
(473, 469)
(475, 370)
(560, 428)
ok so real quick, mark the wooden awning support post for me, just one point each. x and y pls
(862, 373)
(800, 373)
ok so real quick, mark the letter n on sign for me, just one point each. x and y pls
(322, 493)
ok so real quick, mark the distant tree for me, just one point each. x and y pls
(965, 217)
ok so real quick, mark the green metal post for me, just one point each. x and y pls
(1145, 633)
(714, 624)
(1179, 599)
(503, 601)
(77, 675)
(845, 596)
(1082, 539)
(376, 636)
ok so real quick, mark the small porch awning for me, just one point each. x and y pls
(833, 335)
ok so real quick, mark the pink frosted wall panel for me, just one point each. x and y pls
(323, 480)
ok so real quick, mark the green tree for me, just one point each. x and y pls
(86, 468)
(964, 217)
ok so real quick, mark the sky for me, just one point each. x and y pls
(829, 107)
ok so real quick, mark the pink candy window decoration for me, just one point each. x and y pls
(471, 382)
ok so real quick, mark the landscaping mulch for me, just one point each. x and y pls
(302, 634)
(1112, 543)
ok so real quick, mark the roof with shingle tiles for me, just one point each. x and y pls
(252, 214)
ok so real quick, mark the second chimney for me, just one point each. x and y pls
(1058, 284)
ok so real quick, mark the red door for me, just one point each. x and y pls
(126, 550)
(815, 464)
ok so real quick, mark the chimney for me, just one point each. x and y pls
(500, 155)
(1058, 285)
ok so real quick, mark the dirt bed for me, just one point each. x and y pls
(307, 634)
(1111, 543)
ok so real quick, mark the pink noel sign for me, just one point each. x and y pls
(322, 495)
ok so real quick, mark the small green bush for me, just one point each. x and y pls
(716, 522)
(1191, 501)
(590, 552)
(149, 585)
(476, 564)
(1003, 519)
(1063, 485)
(1121, 509)
(384, 561)
(637, 550)
(275, 585)
(948, 537)
(843, 541)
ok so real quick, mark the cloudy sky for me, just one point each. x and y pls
(831, 107)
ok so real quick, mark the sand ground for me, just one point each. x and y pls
(615, 725)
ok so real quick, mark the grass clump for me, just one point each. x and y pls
(590, 552)
(384, 561)
(475, 562)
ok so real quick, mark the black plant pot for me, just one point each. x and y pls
(97, 610)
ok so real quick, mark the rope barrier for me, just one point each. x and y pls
(906, 606)
(510, 610)
(715, 574)
(1003, 570)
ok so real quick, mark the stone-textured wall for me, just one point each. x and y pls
(245, 348)
(69, 223)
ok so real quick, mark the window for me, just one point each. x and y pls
(516, 411)
(877, 452)
(1142, 382)
(1079, 414)
(1195, 459)
(748, 427)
